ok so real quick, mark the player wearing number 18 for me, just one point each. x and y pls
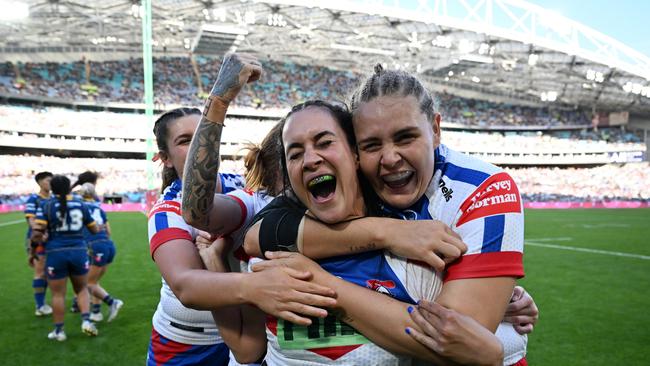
(64, 217)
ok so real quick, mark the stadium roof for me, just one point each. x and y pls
(487, 47)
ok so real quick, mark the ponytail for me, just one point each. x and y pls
(61, 188)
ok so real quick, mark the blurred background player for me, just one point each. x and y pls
(101, 255)
(85, 177)
(63, 217)
(35, 250)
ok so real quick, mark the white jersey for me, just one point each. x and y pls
(478, 201)
(250, 203)
(482, 204)
(172, 319)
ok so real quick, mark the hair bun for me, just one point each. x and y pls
(379, 69)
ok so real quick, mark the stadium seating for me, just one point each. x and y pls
(283, 85)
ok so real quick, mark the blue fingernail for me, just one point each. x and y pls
(409, 309)
(408, 331)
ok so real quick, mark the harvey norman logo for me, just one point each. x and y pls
(166, 206)
(497, 195)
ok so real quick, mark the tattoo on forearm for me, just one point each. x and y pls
(363, 248)
(201, 168)
(228, 77)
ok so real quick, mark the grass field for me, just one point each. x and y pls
(594, 299)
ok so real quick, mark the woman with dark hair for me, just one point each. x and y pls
(397, 129)
(64, 218)
(181, 334)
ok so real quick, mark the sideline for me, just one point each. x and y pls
(586, 250)
(11, 222)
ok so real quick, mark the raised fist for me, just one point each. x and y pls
(236, 70)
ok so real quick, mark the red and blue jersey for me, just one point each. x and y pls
(165, 220)
(64, 231)
(171, 319)
(482, 204)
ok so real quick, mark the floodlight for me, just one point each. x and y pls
(466, 46)
(13, 10)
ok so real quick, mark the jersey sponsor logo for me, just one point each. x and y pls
(446, 192)
(382, 287)
(166, 206)
(328, 332)
(497, 195)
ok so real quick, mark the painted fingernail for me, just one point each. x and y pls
(410, 310)
(408, 331)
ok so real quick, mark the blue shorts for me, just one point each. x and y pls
(101, 252)
(61, 263)
(165, 352)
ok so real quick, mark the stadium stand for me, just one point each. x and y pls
(283, 84)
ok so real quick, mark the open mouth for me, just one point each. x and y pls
(322, 188)
(398, 180)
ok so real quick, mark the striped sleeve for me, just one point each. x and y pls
(41, 215)
(31, 206)
(246, 201)
(166, 223)
(491, 222)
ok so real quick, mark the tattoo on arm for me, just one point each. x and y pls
(363, 248)
(200, 175)
(228, 78)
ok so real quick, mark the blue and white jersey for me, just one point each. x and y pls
(64, 231)
(165, 220)
(99, 215)
(172, 319)
(481, 203)
(31, 205)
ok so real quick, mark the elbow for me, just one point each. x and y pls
(251, 246)
(246, 357)
(183, 291)
(188, 218)
(194, 221)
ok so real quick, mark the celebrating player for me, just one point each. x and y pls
(101, 254)
(182, 335)
(63, 219)
(35, 250)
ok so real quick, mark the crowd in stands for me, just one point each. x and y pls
(283, 85)
(127, 127)
(125, 178)
(628, 182)
(128, 178)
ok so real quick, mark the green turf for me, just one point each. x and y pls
(593, 306)
(133, 278)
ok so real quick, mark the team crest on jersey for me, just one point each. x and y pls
(382, 287)
(497, 195)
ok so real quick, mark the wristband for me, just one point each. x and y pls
(214, 110)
